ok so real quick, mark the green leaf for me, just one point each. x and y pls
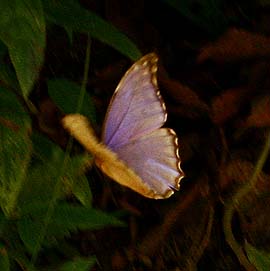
(29, 231)
(79, 217)
(260, 259)
(15, 154)
(66, 94)
(22, 29)
(82, 191)
(12, 110)
(43, 148)
(16, 250)
(66, 218)
(79, 264)
(47, 172)
(69, 14)
(76, 181)
(47, 160)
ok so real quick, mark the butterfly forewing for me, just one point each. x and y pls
(136, 107)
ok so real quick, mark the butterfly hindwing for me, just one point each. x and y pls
(154, 157)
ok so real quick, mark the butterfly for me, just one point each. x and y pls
(134, 151)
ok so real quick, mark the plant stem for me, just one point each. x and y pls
(57, 186)
(232, 204)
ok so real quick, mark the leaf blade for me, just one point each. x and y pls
(260, 259)
(71, 15)
(22, 29)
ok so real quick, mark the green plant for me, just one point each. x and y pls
(37, 176)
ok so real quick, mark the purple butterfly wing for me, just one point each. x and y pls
(132, 129)
(154, 157)
(136, 107)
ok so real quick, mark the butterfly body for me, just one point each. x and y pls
(105, 159)
(135, 151)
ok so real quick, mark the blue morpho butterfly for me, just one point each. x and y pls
(135, 151)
